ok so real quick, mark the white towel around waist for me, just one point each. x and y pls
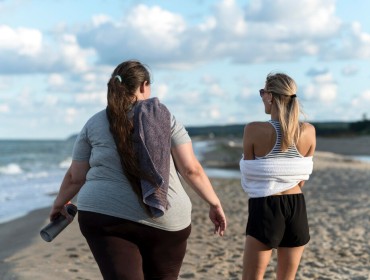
(264, 177)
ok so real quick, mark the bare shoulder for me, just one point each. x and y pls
(308, 129)
(255, 126)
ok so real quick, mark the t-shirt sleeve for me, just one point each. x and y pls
(82, 147)
(179, 135)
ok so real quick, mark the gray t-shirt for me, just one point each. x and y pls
(108, 191)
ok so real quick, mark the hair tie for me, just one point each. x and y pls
(293, 96)
(119, 78)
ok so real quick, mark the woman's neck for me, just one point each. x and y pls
(274, 115)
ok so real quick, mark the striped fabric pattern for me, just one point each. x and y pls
(276, 152)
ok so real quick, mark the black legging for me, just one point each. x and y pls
(129, 250)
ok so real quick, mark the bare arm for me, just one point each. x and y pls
(73, 180)
(193, 173)
(248, 146)
(307, 143)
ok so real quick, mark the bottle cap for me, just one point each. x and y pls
(71, 209)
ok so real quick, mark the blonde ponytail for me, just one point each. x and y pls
(283, 89)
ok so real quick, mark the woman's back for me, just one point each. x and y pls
(262, 139)
(108, 191)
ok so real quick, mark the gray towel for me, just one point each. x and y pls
(152, 142)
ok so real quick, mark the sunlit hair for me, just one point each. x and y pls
(122, 85)
(283, 89)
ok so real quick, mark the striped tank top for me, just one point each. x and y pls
(276, 152)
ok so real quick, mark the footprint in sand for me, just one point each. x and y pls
(189, 275)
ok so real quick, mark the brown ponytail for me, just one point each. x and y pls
(122, 85)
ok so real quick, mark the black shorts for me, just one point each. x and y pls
(278, 220)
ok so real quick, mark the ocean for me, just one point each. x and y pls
(31, 173)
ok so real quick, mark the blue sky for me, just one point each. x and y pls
(208, 59)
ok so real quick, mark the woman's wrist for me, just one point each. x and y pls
(58, 204)
(215, 204)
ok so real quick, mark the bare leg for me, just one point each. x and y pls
(256, 258)
(288, 262)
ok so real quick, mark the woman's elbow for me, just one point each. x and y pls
(193, 171)
(77, 181)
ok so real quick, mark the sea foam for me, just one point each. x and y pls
(11, 169)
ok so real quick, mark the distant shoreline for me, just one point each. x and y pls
(330, 129)
(229, 150)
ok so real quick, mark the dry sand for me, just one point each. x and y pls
(338, 203)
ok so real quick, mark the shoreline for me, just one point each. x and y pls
(227, 152)
(337, 202)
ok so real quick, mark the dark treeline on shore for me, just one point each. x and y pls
(325, 129)
(329, 129)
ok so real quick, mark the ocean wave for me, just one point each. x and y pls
(11, 169)
(65, 163)
(41, 174)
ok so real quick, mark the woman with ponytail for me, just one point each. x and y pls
(277, 160)
(126, 167)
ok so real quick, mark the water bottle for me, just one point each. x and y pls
(50, 231)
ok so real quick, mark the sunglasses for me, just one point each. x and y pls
(262, 92)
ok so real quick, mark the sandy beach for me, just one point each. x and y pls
(338, 203)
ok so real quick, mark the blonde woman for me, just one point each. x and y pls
(277, 160)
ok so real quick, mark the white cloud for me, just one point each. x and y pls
(350, 70)
(98, 98)
(160, 90)
(56, 80)
(26, 50)
(6, 83)
(359, 41)
(51, 100)
(216, 90)
(98, 20)
(363, 99)
(70, 115)
(25, 41)
(151, 34)
(214, 113)
(246, 93)
(187, 98)
(262, 31)
(209, 115)
(327, 92)
(209, 24)
(366, 95)
(73, 55)
(322, 88)
(230, 19)
(158, 27)
(4, 108)
(305, 18)
(209, 79)
(24, 99)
